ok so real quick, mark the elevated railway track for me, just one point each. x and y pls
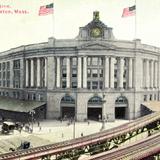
(142, 150)
(93, 144)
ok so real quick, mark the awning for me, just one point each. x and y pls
(16, 105)
(152, 105)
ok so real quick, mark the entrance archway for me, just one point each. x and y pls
(67, 107)
(121, 108)
(94, 110)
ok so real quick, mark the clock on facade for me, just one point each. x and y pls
(96, 32)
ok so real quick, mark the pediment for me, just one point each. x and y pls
(97, 46)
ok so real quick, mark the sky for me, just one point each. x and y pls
(24, 26)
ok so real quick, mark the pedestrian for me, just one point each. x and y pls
(62, 135)
(88, 122)
(81, 134)
(40, 128)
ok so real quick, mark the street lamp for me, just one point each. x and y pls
(74, 129)
(32, 112)
(103, 111)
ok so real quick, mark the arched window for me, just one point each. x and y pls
(95, 100)
(121, 100)
(67, 99)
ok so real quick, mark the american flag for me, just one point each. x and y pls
(45, 10)
(130, 11)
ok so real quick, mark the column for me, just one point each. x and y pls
(151, 74)
(68, 71)
(79, 72)
(32, 72)
(45, 76)
(112, 61)
(130, 73)
(38, 72)
(51, 72)
(84, 72)
(147, 73)
(58, 73)
(121, 71)
(106, 83)
(155, 74)
(27, 73)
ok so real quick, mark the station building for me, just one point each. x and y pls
(93, 76)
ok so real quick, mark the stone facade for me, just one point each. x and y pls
(91, 76)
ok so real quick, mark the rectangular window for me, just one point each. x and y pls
(64, 74)
(88, 73)
(63, 84)
(16, 64)
(74, 72)
(88, 85)
(100, 61)
(115, 85)
(115, 73)
(94, 73)
(95, 61)
(64, 61)
(89, 61)
(8, 65)
(100, 85)
(74, 61)
(94, 85)
(74, 84)
(100, 72)
(124, 85)
(124, 74)
(145, 98)
(4, 65)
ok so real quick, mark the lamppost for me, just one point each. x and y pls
(32, 112)
(74, 129)
(103, 112)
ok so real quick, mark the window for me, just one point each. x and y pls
(124, 74)
(64, 74)
(67, 99)
(101, 73)
(95, 100)
(16, 64)
(64, 61)
(150, 97)
(115, 85)
(74, 84)
(63, 84)
(88, 85)
(4, 66)
(94, 61)
(121, 100)
(100, 61)
(88, 73)
(94, 73)
(8, 65)
(115, 73)
(74, 61)
(95, 85)
(145, 98)
(124, 85)
(100, 85)
(89, 61)
(74, 72)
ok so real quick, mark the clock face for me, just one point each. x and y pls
(96, 32)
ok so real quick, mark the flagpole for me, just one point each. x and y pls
(135, 21)
(53, 21)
